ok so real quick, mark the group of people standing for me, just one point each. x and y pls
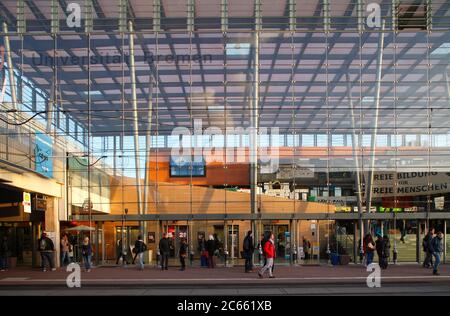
(382, 246)
(46, 248)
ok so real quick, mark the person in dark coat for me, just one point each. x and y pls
(386, 251)
(248, 248)
(139, 248)
(46, 248)
(379, 246)
(211, 247)
(4, 249)
(426, 245)
(183, 254)
(164, 249)
(121, 251)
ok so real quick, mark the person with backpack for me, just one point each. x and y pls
(437, 248)
(139, 248)
(426, 245)
(46, 248)
(4, 249)
(183, 253)
(248, 248)
(270, 253)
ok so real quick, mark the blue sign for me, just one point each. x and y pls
(43, 155)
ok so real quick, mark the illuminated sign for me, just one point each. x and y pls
(43, 155)
(26, 202)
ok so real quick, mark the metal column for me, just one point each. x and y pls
(135, 123)
(445, 241)
(375, 125)
(12, 81)
(148, 144)
(448, 85)
(356, 158)
(418, 243)
(254, 119)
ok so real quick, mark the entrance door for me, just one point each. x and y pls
(282, 240)
(233, 241)
(175, 233)
(129, 235)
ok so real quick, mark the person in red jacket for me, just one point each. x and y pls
(269, 252)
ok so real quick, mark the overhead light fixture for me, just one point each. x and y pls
(368, 99)
(442, 50)
(215, 108)
(238, 49)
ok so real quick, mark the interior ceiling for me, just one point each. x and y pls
(293, 82)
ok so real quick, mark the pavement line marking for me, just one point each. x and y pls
(15, 279)
(232, 279)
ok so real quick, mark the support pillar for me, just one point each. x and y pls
(355, 145)
(148, 146)
(355, 242)
(375, 124)
(418, 242)
(135, 123)
(445, 241)
(254, 120)
(12, 81)
(97, 243)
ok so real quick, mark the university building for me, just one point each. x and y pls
(319, 120)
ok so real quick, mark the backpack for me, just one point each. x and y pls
(246, 243)
(143, 247)
(425, 243)
(43, 244)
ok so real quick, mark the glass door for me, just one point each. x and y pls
(233, 241)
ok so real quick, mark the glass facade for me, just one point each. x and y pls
(224, 116)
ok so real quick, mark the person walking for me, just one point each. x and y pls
(379, 246)
(369, 248)
(164, 249)
(386, 252)
(86, 252)
(65, 247)
(437, 248)
(46, 248)
(183, 253)
(211, 249)
(306, 247)
(122, 253)
(427, 248)
(139, 249)
(269, 251)
(249, 248)
(4, 249)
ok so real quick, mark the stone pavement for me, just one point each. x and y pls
(112, 276)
